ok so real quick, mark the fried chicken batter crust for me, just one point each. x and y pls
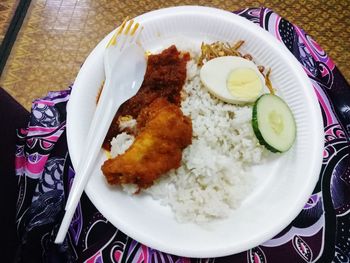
(163, 132)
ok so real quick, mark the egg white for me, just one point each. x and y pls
(215, 72)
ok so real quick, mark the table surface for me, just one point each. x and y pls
(57, 35)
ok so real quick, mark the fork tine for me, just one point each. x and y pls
(136, 26)
(136, 33)
(113, 39)
(123, 25)
(129, 35)
(127, 29)
(133, 34)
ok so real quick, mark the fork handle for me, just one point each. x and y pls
(101, 121)
(99, 126)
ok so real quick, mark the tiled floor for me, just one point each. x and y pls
(57, 35)
(7, 9)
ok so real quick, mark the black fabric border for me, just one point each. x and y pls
(12, 31)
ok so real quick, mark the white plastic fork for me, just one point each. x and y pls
(123, 80)
(124, 36)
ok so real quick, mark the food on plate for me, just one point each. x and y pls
(273, 123)
(232, 79)
(165, 77)
(220, 49)
(236, 79)
(190, 148)
(268, 82)
(163, 132)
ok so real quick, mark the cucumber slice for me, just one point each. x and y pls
(273, 123)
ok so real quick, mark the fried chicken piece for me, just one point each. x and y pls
(163, 132)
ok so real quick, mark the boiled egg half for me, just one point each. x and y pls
(232, 79)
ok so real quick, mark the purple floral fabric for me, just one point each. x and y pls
(320, 233)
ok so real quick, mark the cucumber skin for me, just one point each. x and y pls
(256, 128)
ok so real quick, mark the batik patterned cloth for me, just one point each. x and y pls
(320, 233)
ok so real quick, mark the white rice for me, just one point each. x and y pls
(215, 175)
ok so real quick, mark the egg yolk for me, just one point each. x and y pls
(244, 83)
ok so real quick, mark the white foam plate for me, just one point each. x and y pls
(284, 184)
